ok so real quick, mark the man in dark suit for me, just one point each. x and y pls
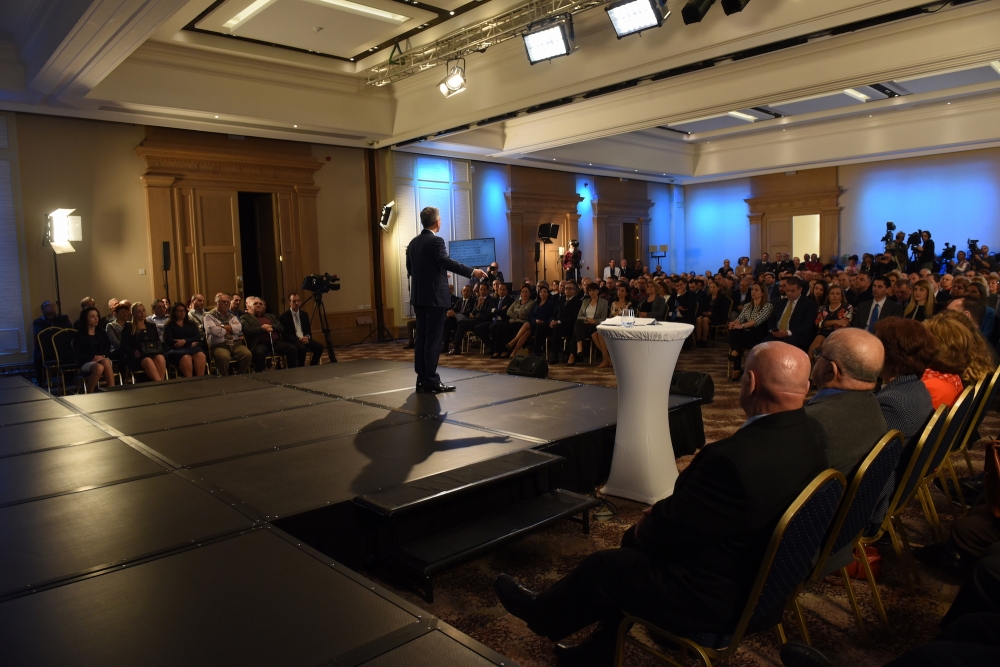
(772, 289)
(794, 318)
(868, 313)
(479, 312)
(461, 309)
(763, 265)
(689, 563)
(298, 331)
(564, 320)
(682, 305)
(427, 264)
(487, 330)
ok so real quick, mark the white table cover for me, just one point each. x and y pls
(643, 467)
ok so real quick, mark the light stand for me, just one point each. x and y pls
(657, 254)
(380, 334)
(60, 229)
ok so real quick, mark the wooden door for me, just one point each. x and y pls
(217, 227)
(779, 234)
(615, 247)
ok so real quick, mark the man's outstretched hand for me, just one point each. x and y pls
(478, 273)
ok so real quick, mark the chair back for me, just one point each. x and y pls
(954, 428)
(987, 390)
(917, 467)
(792, 552)
(63, 343)
(862, 496)
(45, 344)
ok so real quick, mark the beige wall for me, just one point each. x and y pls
(344, 236)
(91, 166)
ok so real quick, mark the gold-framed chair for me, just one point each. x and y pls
(955, 427)
(786, 564)
(987, 390)
(717, 329)
(47, 351)
(467, 340)
(62, 343)
(275, 361)
(854, 515)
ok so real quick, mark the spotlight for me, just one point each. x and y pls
(454, 83)
(550, 39)
(633, 16)
(733, 6)
(694, 11)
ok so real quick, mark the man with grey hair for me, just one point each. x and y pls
(846, 369)
(224, 335)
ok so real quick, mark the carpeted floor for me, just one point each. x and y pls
(464, 596)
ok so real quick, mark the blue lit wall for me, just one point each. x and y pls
(489, 209)
(954, 196)
(716, 224)
(660, 223)
(585, 227)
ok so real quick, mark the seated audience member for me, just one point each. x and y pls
(793, 319)
(93, 350)
(236, 302)
(540, 315)
(944, 288)
(142, 349)
(114, 329)
(682, 306)
(493, 330)
(85, 302)
(461, 308)
(564, 321)
(196, 312)
(975, 311)
(593, 311)
(835, 314)
(183, 343)
(906, 403)
(263, 333)
(741, 295)
(959, 287)
(961, 348)
(298, 332)
(689, 563)
(110, 317)
(651, 304)
(224, 335)
(980, 291)
(716, 314)
(880, 306)
(621, 303)
(159, 318)
(481, 315)
(901, 292)
(922, 305)
(846, 369)
(517, 315)
(861, 289)
(818, 292)
(749, 328)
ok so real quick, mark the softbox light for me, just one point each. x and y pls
(549, 40)
(629, 17)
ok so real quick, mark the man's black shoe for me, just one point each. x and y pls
(597, 651)
(514, 597)
(439, 388)
(794, 654)
(942, 556)
(421, 389)
(409, 346)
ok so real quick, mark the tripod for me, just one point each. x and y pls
(318, 307)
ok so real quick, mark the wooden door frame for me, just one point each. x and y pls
(175, 169)
(608, 210)
(824, 202)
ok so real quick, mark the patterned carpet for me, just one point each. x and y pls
(464, 596)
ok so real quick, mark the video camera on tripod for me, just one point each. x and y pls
(948, 253)
(974, 248)
(320, 284)
(887, 240)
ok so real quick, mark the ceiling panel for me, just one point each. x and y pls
(966, 77)
(709, 124)
(824, 103)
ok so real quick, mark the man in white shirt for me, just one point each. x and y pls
(612, 271)
(159, 317)
(880, 306)
(298, 331)
(224, 335)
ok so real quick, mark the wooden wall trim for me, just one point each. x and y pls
(825, 202)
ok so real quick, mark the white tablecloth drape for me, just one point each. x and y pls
(643, 467)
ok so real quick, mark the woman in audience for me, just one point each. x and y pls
(542, 312)
(114, 329)
(748, 329)
(622, 303)
(181, 337)
(141, 347)
(716, 314)
(961, 350)
(867, 264)
(837, 313)
(92, 349)
(921, 306)
(593, 311)
(518, 314)
(909, 350)
(654, 305)
(743, 268)
(818, 292)
(664, 289)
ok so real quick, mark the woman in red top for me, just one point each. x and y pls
(957, 358)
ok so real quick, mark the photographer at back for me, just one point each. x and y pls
(980, 260)
(925, 251)
(959, 265)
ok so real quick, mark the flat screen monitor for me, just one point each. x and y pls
(477, 253)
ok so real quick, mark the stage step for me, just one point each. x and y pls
(424, 526)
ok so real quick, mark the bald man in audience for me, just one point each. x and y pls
(689, 562)
(846, 370)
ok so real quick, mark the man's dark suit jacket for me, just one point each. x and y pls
(428, 264)
(802, 324)
(484, 314)
(289, 325)
(498, 311)
(763, 267)
(864, 310)
(568, 309)
(710, 535)
(852, 422)
(690, 303)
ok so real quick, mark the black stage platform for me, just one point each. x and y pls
(168, 523)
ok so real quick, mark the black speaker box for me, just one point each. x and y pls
(538, 251)
(166, 255)
(693, 383)
(528, 366)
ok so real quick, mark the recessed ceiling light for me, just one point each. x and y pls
(949, 102)
(365, 10)
(452, 13)
(352, 60)
(742, 116)
(859, 96)
(252, 9)
(591, 164)
(294, 125)
(216, 116)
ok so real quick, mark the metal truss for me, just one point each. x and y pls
(475, 38)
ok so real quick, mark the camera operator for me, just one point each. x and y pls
(885, 265)
(980, 261)
(898, 250)
(925, 251)
(959, 265)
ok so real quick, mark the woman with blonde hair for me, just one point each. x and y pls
(141, 346)
(921, 306)
(960, 358)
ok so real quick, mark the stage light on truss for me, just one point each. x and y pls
(694, 11)
(454, 83)
(549, 40)
(629, 17)
(734, 6)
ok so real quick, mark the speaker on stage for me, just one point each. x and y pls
(547, 232)
(528, 366)
(693, 383)
(166, 255)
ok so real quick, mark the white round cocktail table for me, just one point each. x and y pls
(643, 467)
